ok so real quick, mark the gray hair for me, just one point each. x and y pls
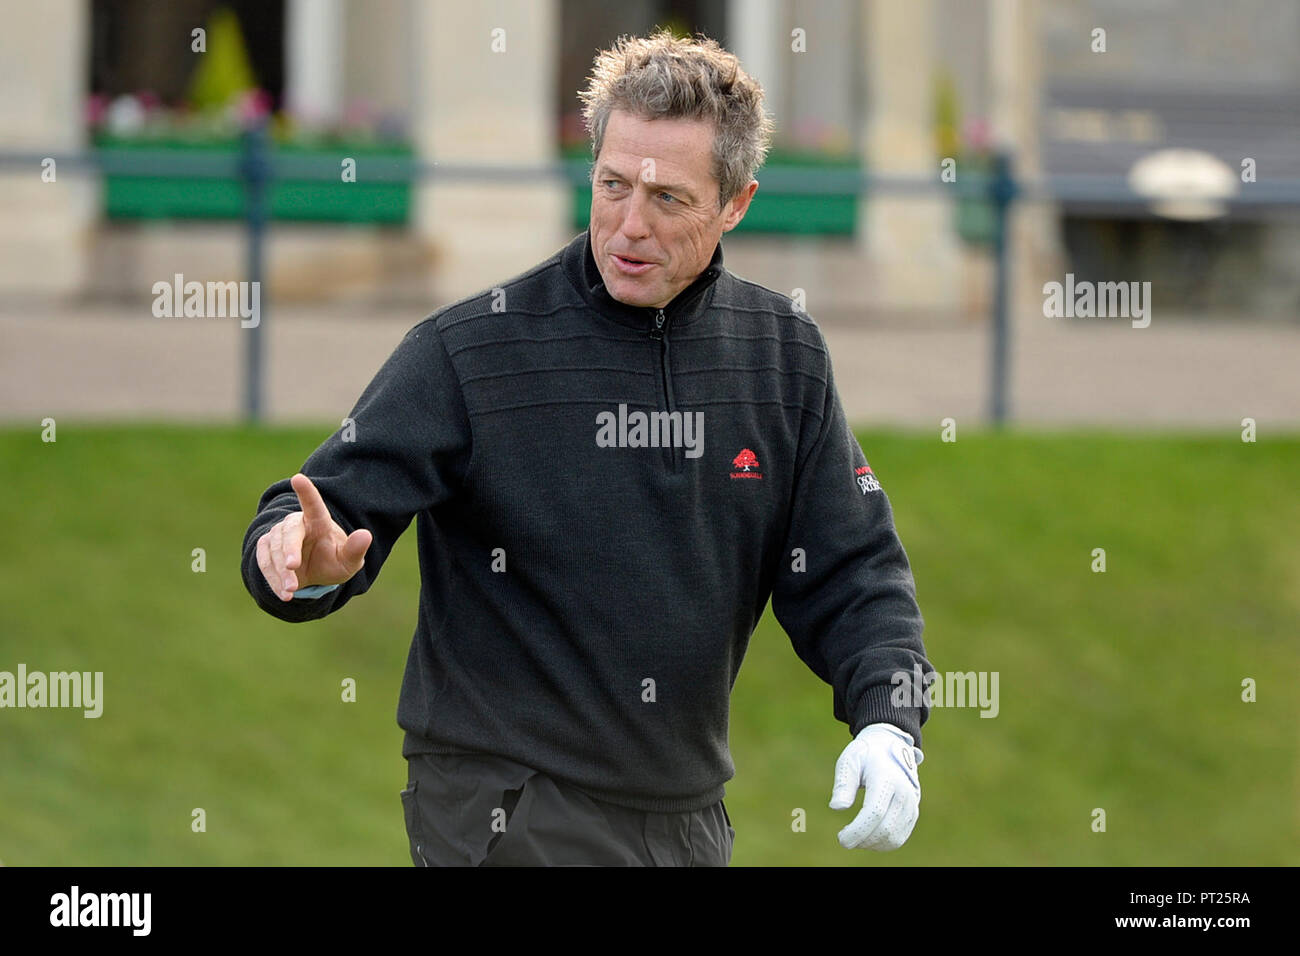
(666, 77)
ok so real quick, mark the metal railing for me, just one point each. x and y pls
(258, 166)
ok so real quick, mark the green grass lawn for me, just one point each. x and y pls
(1120, 691)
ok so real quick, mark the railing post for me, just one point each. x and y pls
(256, 171)
(1002, 192)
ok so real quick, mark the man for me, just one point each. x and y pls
(614, 460)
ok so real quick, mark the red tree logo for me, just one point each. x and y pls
(745, 460)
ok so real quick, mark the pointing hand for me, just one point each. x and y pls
(308, 547)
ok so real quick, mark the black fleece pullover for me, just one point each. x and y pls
(592, 571)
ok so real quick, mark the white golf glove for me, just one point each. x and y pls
(881, 759)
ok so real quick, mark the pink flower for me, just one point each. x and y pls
(96, 109)
(253, 105)
(977, 134)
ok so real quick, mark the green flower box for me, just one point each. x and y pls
(174, 195)
(974, 215)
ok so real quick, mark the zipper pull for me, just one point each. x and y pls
(657, 332)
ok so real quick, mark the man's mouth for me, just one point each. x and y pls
(632, 265)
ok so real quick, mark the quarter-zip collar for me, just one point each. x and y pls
(580, 266)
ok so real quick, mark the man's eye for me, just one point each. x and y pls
(669, 197)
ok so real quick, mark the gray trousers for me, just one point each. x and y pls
(480, 810)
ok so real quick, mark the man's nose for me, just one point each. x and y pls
(635, 224)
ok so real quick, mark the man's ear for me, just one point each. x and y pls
(737, 208)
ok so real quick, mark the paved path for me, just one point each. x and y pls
(118, 361)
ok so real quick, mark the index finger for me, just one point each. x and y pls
(309, 499)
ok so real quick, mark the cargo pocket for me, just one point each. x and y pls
(414, 827)
(500, 819)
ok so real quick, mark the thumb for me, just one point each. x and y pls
(354, 548)
(848, 778)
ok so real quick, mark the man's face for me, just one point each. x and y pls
(655, 219)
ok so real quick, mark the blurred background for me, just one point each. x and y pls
(936, 164)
